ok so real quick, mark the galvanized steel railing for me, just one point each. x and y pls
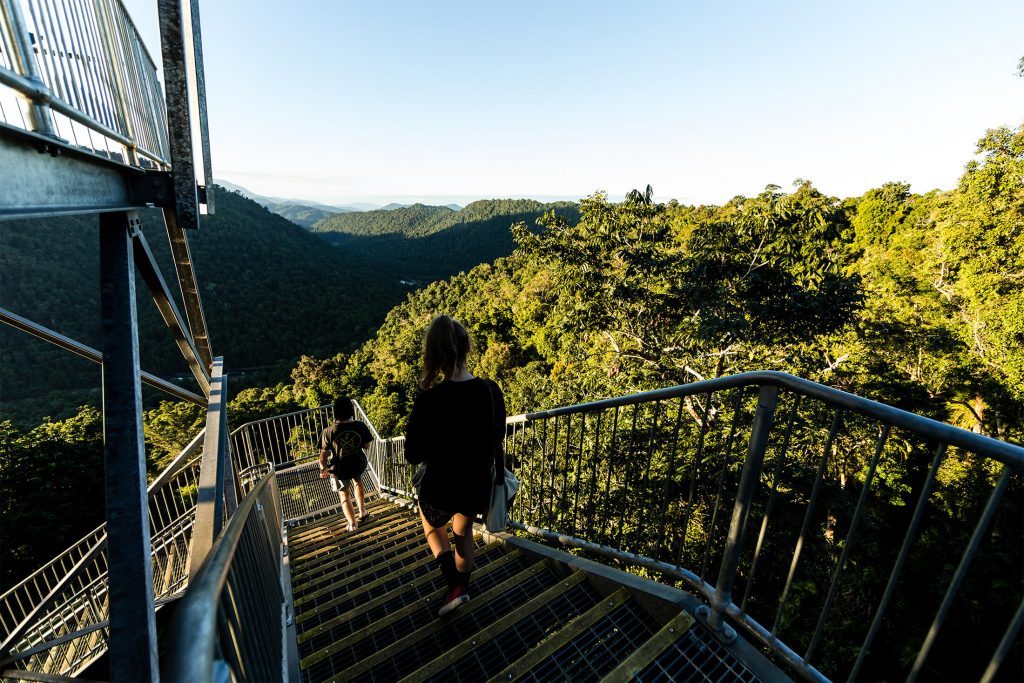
(232, 617)
(55, 620)
(84, 75)
(231, 622)
(290, 443)
(763, 494)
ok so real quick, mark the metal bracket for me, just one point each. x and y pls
(726, 634)
(154, 188)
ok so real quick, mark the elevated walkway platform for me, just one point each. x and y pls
(366, 602)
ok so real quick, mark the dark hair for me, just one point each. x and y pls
(444, 349)
(343, 409)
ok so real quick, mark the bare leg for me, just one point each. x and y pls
(437, 537)
(462, 527)
(346, 507)
(360, 499)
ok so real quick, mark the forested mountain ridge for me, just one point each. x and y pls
(270, 289)
(300, 214)
(433, 242)
(421, 220)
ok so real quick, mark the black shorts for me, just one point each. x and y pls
(349, 471)
(438, 517)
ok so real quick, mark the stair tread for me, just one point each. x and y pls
(559, 640)
(414, 570)
(387, 663)
(388, 622)
(675, 629)
(426, 577)
(450, 660)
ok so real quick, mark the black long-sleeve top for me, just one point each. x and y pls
(458, 429)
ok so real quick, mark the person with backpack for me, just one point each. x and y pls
(343, 457)
(456, 429)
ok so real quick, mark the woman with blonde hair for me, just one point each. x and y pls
(457, 428)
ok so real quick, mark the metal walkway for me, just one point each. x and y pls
(365, 605)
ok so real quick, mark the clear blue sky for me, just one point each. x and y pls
(342, 101)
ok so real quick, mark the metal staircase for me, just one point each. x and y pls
(365, 606)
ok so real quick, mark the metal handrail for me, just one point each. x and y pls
(1004, 451)
(194, 630)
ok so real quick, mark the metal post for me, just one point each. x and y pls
(179, 119)
(722, 597)
(198, 72)
(25, 61)
(132, 625)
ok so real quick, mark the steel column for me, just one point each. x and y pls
(133, 654)
(199, 73)
(179, 118)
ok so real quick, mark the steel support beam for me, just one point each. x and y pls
(210, 497)
(133, 652)
(43, 177)
(180, 253)
(154, 280)
(57, 339)
(179, 117)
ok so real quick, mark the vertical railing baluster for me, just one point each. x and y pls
(646, 479)
(759, 432)
(961, 571)
(668, 490)
(695, 473)
(726, 456)
(854, 525)
(578, 476)
(837, 421)
(595, 459)
(890, 588)
(1003, 649)
(625, 479)
(608, 480)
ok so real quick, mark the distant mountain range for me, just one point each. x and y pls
(427, 243)
(306, 212)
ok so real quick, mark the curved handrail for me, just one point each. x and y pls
(1004, 451)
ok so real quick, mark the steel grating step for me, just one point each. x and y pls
(589, 646)
(693, 655)
(337, 659)
(413, 650)
(505, 641)
(349, 564)
(310, 531)
(367, 572)
(371, 607)
(312, 554)
(315, 550)
(319, 611)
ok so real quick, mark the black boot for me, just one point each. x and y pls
(446, 561)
